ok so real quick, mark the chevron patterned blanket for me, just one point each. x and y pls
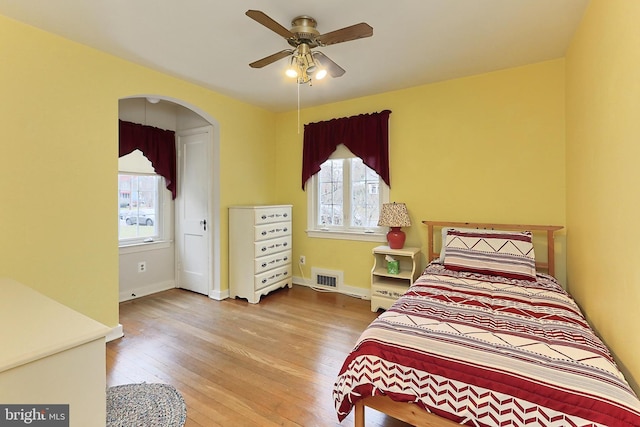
(488, 351)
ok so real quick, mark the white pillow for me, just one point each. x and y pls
(508, 255)
(443, 246)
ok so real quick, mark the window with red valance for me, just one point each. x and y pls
(158, 145)
(365, 135)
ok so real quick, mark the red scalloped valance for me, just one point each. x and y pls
(158, 145)
(366, 135)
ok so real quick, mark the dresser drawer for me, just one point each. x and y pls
(268, 247)
(272, 214)
(272, 261)
(269, 231)
(272, 276)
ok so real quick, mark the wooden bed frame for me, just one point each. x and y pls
(409, 412)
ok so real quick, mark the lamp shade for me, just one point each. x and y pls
(395, 215)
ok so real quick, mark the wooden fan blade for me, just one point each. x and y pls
(271, 58)
(357, 31)
(262, 18)
(333, 69)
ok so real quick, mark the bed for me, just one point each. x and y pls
(485, 337)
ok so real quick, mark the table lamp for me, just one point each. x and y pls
(395, 215)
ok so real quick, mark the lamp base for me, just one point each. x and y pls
(396, 238)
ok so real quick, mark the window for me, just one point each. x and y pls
(140, 204)
(344, 201)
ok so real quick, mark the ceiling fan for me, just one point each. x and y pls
(303, 37)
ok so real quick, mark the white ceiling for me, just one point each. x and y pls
(211, 42)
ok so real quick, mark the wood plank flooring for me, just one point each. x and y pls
(240, 364)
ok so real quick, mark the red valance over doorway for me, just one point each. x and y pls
(366, 135)
(158, 145)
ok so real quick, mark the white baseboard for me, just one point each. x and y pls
(353, 291)
(219, 295)
(115, 333)
(146, 290)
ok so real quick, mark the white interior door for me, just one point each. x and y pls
(193, 225)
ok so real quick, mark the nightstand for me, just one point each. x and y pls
(387, 287)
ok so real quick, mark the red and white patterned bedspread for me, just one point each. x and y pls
(487, 353)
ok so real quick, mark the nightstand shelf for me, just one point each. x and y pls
(382, 272)
(387, 287)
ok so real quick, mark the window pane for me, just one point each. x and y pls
(358, 170)
(325, 173)
(330, 194)
(365, 197)
(138, 201)
(371, 174)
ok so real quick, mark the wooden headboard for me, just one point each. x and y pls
(549, 265)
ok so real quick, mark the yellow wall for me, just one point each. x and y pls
(58, 215)
(603, 148)
(485, 148)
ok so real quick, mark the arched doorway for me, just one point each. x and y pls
(157, 259)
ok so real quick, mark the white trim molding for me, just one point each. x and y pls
(345, 235)
(219, 295)
(115, 333)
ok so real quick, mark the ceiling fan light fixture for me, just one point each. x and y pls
(291, 72)
(310, 63)
(304, 78)
(320, 74)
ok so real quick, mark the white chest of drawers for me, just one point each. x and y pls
(259, 250)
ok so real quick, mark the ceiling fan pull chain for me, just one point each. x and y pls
(298, 86)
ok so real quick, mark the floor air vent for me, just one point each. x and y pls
(330, 281)
(326, 279)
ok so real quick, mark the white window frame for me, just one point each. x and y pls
(345, 232)
(160, 217)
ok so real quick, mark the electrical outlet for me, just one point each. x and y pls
(303, 260)
(142, 267)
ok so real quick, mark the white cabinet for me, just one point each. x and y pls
(387, 287)
(259, 250)
(51, 354)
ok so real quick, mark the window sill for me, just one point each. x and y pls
(345, 235)
(131, 248)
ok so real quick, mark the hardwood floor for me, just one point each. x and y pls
(240, 364)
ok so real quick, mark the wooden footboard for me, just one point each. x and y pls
(407, 412)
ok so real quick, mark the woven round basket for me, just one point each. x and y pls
(149, 405)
